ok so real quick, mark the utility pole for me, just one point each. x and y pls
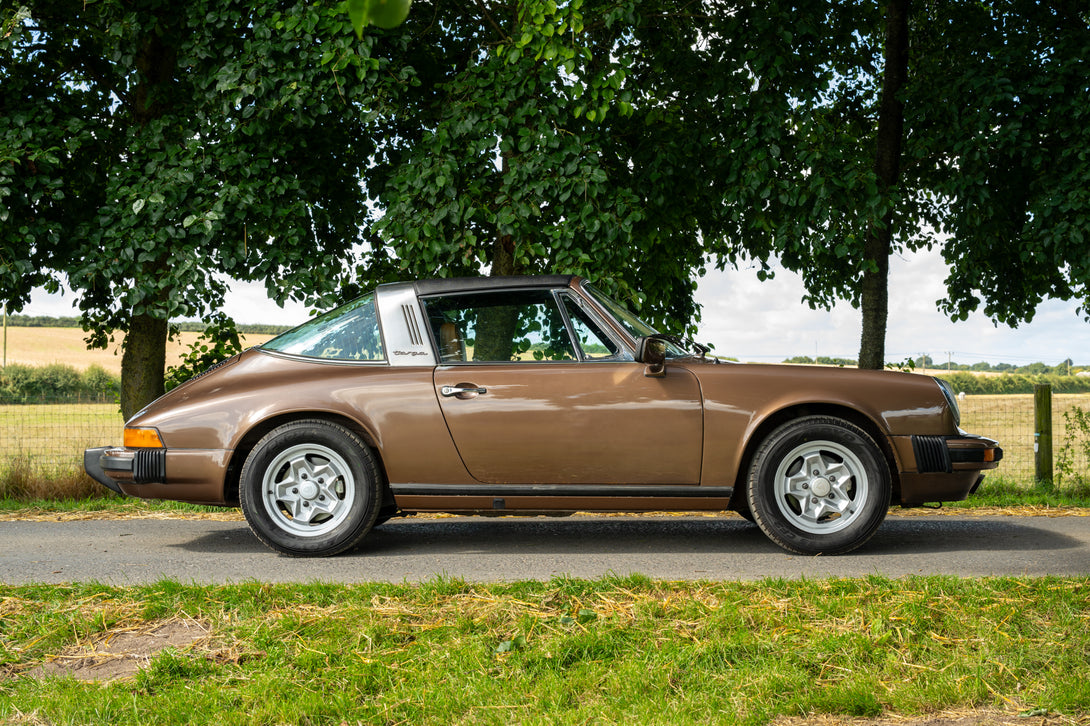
(5, 335)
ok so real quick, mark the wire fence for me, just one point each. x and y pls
(1009, 420)
(53, 435)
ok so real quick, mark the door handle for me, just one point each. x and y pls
(449, 391)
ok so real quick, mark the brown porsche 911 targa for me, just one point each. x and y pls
(530, 395)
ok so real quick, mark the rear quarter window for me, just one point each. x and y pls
(350, 332)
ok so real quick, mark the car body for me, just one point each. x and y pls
(536, 395)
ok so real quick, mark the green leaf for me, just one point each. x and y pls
(358, 11)
(516, 643)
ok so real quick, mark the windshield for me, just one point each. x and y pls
(350, 332)
(632, 324)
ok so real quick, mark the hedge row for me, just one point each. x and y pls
(1014, 383)
(56, 383)
(45, 321)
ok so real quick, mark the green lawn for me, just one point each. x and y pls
(567, 651)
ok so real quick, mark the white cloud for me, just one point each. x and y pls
(767, 321)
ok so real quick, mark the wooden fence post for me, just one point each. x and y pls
(1042, 432)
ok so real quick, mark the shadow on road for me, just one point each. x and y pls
(634, 535)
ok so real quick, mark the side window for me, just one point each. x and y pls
(350, 332)
(523, 325)
(590, 338)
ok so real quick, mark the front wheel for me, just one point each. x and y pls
(819, 485)
(310, 488)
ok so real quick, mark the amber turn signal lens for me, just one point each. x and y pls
(142, 439)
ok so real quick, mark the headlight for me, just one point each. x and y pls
(948, 391)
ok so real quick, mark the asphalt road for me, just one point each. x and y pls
(123, 552)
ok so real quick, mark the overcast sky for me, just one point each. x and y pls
(768, 322)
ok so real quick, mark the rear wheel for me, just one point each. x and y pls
(819, 485)
(310, 488)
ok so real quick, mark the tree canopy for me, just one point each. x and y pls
(957, 125)
(999, 112)
(540, 137)
(150, 150)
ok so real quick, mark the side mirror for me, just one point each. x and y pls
(651, 351)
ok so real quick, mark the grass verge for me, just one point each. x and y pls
(1002, 491)
(616, 650)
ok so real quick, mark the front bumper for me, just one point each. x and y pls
(186, 475)
(954, 453)
(943, 468)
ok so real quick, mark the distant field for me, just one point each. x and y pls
(43, 346)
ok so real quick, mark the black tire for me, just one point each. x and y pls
(310, 488)
(832, 507)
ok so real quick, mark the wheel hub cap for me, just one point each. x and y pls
(821, 487)
(308, 490)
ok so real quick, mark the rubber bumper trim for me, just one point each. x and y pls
(92, 464)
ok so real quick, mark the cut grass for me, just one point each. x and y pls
(616, 650)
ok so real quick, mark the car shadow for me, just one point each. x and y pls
(898, 536)
(565, 536)
(938, 534)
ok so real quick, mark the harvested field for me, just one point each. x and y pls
(43, 346)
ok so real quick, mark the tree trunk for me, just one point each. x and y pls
(496, 325)
(503, 257)
(503, 249)
(143, 363)
(874, 298)
(874, 292)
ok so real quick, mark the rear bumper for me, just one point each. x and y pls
(186, 475)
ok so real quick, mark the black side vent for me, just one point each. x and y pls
(149, 466)
(932, 455)
(410, 323)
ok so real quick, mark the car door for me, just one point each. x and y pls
(525, 404)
